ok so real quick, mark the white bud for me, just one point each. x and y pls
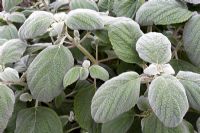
(151, 70)
(86, 64)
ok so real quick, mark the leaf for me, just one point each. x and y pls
(162, 12)
(99, 72)
(84, 19)
(123, 35)
(180, 65)
(115, 96)
(37, 47)
(2, 41)
(126, 8)
(121, 124)
(8, 32)
(60, 99)
(83, 4)
(168, 100)
(25, 97)
(9, 75)
(71, 76)
(105, 5)
(82, 104)
(154, 48)
(9, 4)
(16, 17)
(191, 82)
(36, 25)
(45, 74)
(190, 39)
(38, 120)
(84, 73)
(152, 124)
(11, 51)
(6, 106)
(143, 103)
(193, 1)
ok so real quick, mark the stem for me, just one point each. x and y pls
(149, 28)
(107, 59)
(45, 5)
(86, 53)
(36, 103)
(72, 129)
(70, 94)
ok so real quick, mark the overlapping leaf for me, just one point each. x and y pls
(154, 48)
(36, 25)
(163, 12)
(6, 106)
(167, 98)
(191, 82)
(45, 74)
(84, 4)
(8, 32)
(115, 96)
(193, 1)
(191, 39)
(11, 51)
(9, 4)
(38, 120)
(98, 72)
(84, 19)
(123, 35)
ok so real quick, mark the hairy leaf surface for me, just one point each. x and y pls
(99, 72)
(84, 4)
(115, 97)
(123, 35)
(162, 12)
(167, 98)
(45, 74)
(8, 32)
(154, 48)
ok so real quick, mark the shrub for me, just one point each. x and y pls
(106, 66)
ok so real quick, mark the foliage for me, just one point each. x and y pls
(100, 66)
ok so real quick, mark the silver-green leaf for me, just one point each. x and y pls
(16, 17)
(152, 124)
(191, 82)
(191, 40)
(8, 32)
(83, 4)
(162, 12)
(6, 106)
(126, 8)
(36, 25)
(9, 75)
(45, 74)
(9, 4)
(123, 35)
(154, 48)
(71, 76)
(84, 19)
(38, 120)
(168, 100)
(115, 96)
(193, 1)
(11, 51)
(99, 72)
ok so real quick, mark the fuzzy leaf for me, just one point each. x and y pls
(191, 39)
(152, 124)
(121, 124)
(83, 4)
(84, 19)
(126, 8)
(36, 25)
(167, 98)
(115, 96)
(45, 74)
(82, 104)
(123, 35)
(154, 48)
(8, 32)
(191, 82)
(162, 12)
(38, 120)
(6, 106)
(16, 17)
(11, 51)
(8, 4)
(25, 97)
(99, 72)
(71, 76)
(84, 73)
(105, 5)
(143, 103)
(9, 75)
